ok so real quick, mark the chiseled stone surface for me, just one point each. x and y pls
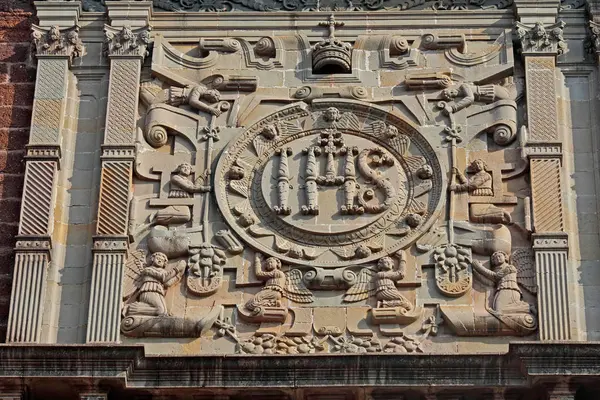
(335, 214)
(347, 193)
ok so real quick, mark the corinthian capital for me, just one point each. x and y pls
(593, 43)
(125, 42)
(55, 42)
(538, 39)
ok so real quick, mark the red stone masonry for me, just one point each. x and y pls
(17, 81)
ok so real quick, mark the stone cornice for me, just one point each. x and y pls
(413, 23)
(63, 13)
(558, 358)
(523, 361)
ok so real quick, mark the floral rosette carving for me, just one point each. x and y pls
(271, 344)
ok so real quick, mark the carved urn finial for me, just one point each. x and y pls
(332, 56)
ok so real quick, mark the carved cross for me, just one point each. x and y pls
(331, 141)
(331, 24)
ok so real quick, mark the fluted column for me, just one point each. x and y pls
(55, 47)
(126, 51)
(540, 45)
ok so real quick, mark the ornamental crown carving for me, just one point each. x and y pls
(332, 55)
(540, 39)
(55, 42)
(127, 42)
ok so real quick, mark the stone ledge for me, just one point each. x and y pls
(524, 361)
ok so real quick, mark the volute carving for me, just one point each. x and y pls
(127, 42)
(593, 44)
(541, 39)
(55, 42)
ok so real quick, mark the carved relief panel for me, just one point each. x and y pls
(283, 215)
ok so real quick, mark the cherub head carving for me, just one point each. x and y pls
(246, 219)
(499, 258)
(425, 172)
(391, 132)
(269, 132)
(385, 264)
(236, 173)
(413, 220)
(54, 33)
(478, 165)
(159, 260)
(362, 251)
(272, 263)
(332, 114)
(184, 169)
(538, 31)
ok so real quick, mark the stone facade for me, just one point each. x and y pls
(272, 199)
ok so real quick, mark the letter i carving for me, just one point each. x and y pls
(350, 185)
(312, 207)
(330, 140)
(283, 182)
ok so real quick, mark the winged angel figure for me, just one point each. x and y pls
(145, 284)
(278, 284)
(382, 284)
(508, 278)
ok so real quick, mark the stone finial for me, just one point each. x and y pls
(126, 42)
(331, 24)
(539, 39)
(55, 42)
